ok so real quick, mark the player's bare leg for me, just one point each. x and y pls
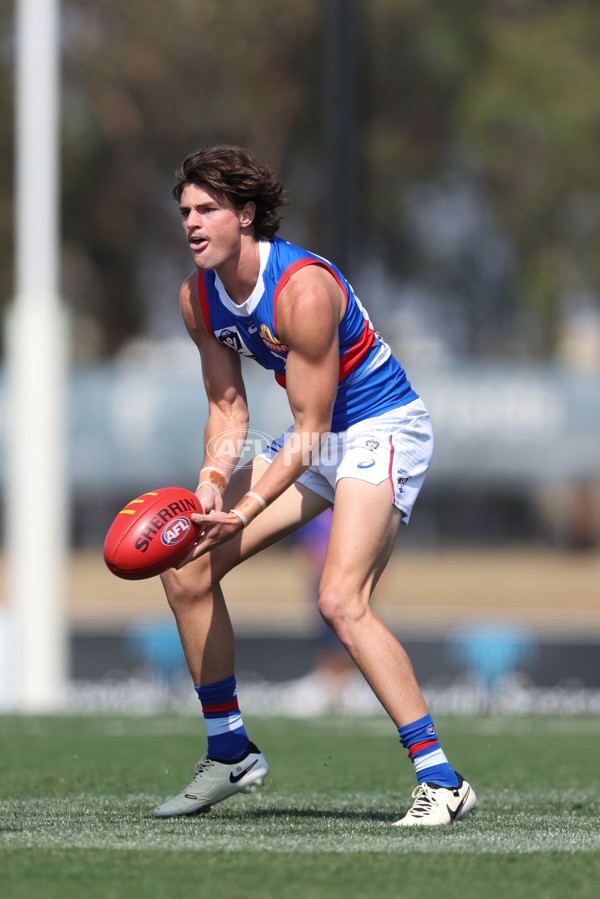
(363, 531)
(233, 764)
(194, 592)
(362, 536)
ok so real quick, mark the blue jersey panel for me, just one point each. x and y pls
(371, 379)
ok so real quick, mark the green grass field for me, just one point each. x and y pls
(77, 795)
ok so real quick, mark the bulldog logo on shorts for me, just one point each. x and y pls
(403, 477)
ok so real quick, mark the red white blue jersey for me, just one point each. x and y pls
(371, 380)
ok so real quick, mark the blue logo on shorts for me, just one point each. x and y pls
(368, 464)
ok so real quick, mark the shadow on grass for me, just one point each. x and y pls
(258, 815)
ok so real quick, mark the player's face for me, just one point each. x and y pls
(212, 227)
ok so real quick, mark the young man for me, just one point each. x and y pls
(360, 441)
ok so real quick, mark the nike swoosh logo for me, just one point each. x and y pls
(456, 811)
(234, 778)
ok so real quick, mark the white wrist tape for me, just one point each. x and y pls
(210, 484)
(241, 516)
(257, 497)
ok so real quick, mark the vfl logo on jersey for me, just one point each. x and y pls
(230, 338)
(271, 342)
(176, 531)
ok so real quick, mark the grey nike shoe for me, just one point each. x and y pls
(215, 781)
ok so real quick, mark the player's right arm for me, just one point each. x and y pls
(227, 424)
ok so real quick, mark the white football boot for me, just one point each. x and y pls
(215, 781)
(439, 805)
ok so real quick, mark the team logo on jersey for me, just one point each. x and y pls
(231, 338)
(271, 342)
(372, 444)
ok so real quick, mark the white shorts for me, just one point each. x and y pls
(396, 446)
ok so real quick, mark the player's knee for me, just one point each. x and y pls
(339, 609)
(187, 586)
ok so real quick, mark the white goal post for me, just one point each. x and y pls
(36, 491)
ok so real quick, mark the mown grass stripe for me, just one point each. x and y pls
(78, 793)
(284, 823)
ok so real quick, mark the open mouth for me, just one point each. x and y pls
(197, 243)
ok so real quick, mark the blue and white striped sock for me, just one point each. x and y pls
(227, 737)
(427, 755)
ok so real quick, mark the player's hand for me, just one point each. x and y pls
(210, 500)
(217, 527)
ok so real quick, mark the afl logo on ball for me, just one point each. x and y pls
(175, 532)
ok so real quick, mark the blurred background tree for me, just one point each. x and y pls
(477, 193)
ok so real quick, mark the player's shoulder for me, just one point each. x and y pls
(190, 304)
(290, 261)
(305, 275)
(189, 287)
(285, 253)
(311, 302)
(196, 284)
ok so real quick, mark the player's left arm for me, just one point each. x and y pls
(310, 308)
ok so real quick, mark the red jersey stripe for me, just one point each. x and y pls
(355, 355)
(203, 298)
(291, 270)
(352, 358)
(390, 476)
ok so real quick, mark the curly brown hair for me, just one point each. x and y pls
(233, 174)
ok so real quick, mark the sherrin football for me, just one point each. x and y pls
(152, 533)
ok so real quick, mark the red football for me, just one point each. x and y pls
(152, 533)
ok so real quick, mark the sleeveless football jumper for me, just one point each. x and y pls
(371, 380)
